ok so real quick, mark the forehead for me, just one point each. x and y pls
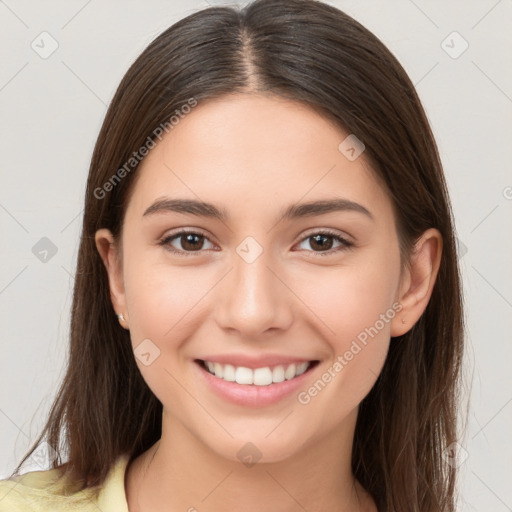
(250, 152)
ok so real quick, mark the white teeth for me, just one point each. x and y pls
(218, 369)
(259, 376)
(290, 372)
(229, 373)
(301, 368)
(278, 374)
(262, 376)
(242, 375)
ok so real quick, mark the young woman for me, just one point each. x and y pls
(267, 308)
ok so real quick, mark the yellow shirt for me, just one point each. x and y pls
(31, 492)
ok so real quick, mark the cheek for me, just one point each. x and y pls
(356, 306)
(165, 305)
(161, 299)
(350, 298)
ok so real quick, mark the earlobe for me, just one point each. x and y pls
(108, 251)
(418, 281)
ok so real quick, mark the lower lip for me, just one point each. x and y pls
(250, 394)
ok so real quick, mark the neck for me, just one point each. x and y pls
(179, 472)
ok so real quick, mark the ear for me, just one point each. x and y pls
(418, 281)
(109, 253)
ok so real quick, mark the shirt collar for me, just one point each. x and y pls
(112, 497)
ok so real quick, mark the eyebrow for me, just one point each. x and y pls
(294, 211)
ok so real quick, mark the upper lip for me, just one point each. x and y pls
(255, 362)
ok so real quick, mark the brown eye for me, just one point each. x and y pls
(323, 242)
(189, 241)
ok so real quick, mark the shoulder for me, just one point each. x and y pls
(41, 491)
(45, 491)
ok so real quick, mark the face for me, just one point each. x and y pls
(253, 288)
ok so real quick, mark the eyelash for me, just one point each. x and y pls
(345, 244)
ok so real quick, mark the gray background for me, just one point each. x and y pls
(51, 112)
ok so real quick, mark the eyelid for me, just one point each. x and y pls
(345, 241)
(328, 231)
(166, 239)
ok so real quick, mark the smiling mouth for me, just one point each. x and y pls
(263, 376)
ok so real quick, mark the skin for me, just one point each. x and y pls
(253, 156)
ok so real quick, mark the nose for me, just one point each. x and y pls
(254, 299)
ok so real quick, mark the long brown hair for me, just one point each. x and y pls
(313, 53)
